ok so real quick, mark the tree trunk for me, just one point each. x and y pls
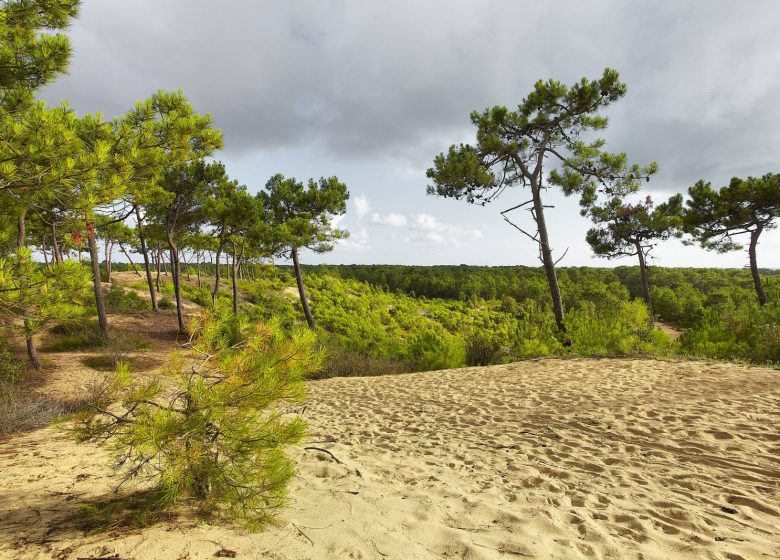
(157, 262)
(145, 253)
(28, 333)
(130, 260)
(547, 260)
(96, 284)
(176, 276)
(43, 250)
(234, 281)
(197, 265)
(186, 266)
(107, 253)
(55, 247)
(302, 291)
(32, 353)
(216, 274)
(754, 265)
(644, 276)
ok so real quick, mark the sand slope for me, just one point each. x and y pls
(541, 459)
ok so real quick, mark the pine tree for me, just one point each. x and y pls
(220, 435)
(300, 216)
(549, 132)
(743, 207)
(634, 230)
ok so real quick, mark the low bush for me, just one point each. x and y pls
(219, 436)
(119, 300)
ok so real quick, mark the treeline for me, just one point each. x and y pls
(715, 308)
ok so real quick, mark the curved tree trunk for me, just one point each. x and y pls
(547, 260)
(97, 286)
(130, 260)
(175, 274)
(145, 254)
(754, 235)
(302, 291)
(643, 274)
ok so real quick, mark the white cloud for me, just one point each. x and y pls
(362, 207)
(335, 221)
(392, 219)
(357, 241)
(428, 228)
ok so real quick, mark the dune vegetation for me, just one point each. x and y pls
(146, 309)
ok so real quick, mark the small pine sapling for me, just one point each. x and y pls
(218, 435)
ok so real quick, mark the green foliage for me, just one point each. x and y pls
(120, 300)
(10, 367)
(713, 217)
(625, 229)
(301, 214)
(32, 52)
(220, 437)
(553, 120)
(41, 295)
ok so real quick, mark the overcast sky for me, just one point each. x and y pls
(372, 91)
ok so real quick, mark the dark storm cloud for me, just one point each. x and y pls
(358, 79)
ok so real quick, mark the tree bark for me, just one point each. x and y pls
(107, 257)
(157, 262)
(547, 260)
(28, 334)
(302, 291)
(43, 250)
(215, 291)
(234, 281)
(197, 265)
(130, 260)
(96, 284)
(643, 275)
(145, 253)
(176, 276)
(754, 235)
(32, 353)
(55, 247)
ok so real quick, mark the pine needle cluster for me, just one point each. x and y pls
(214, 428)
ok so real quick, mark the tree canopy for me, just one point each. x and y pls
(545, 142)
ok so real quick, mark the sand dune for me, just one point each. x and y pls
(541, 459)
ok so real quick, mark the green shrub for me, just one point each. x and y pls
(120, 301)
(220, 437)
(10, 366)
(430, 350)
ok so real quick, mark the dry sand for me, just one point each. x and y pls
(539, 459)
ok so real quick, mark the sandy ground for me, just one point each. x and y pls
(541, 459)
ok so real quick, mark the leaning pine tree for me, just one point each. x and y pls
(743, 207)
(219, 435)
(300, 216)
(633, 230)
(540, 144)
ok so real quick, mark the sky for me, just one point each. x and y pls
(372, 91)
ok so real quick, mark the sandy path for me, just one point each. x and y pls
(541, 459)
